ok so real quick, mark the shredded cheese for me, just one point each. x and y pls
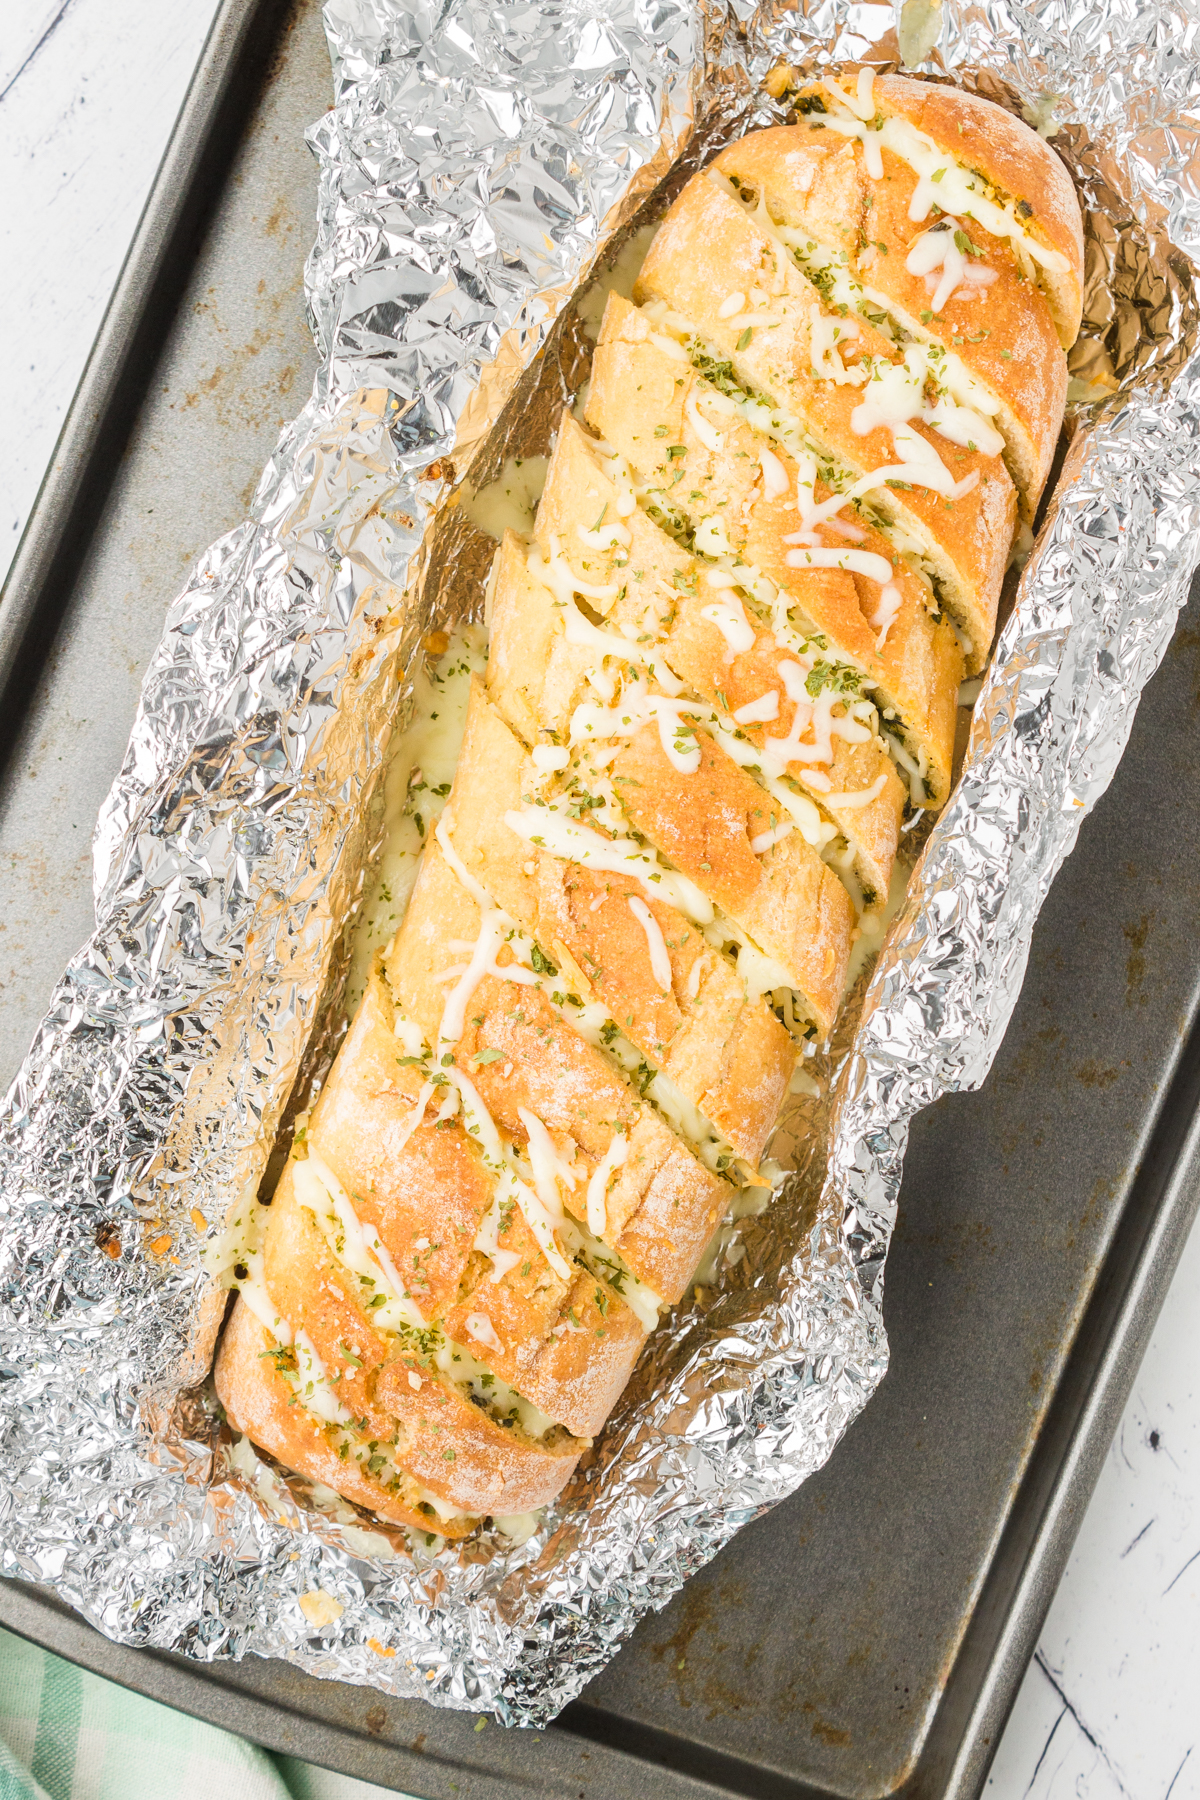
(597, 1188)
(660, 962)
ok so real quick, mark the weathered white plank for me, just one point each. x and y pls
(90, 92)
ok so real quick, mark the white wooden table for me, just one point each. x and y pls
(89, 90)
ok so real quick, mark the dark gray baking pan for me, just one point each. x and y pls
(867, 1636)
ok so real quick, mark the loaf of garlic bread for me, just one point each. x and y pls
(723, 675)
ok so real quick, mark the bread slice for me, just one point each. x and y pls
(727, 1054)
(525, 1058)
(814, 184)
(644, 404)
(709, 250)
(715, 825)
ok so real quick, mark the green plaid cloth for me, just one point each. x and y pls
(68, 1735)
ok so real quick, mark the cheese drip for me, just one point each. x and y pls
(941, 179)
(894, 395)
(492, 1394)
(939, 249)
(358, 1247)
(597, 1189)
(548, 828)
(601, 1260)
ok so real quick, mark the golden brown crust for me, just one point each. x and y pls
(523, 1058)
(583, 918)
(1015, 159)
(575, 1370)
(490, 1469)
(414, 1421)
(917, 650)
(259, 1402)
(1005, 334)
(709, 247)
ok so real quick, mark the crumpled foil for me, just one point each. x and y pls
(476, 164)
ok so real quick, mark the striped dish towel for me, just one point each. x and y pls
(66, 1734)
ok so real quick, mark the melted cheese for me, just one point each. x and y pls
(729, 617)
(708, 435)
(357, 1247)
(812, 554)
(547, 1165)
(458, 1364)
(916, 768)
(775, 480)
(638, 707)
(660, 961)
(253, 1289)
(858, 796)
(480, 1327)
(552, 831)
(483, 959)
(960, 399)
(617, 278)
(938, 248)
(518, 1528)
(760, 973)
(800, 810)
(815, 715)
(766, 840)
(895, 395)
(419, 768)
(604, 537)
(883, 618)
(828, 332)
(510, 1189)
(597, 1188)
(760, 711)
(941, 180)
(312, 1384)
(603, 1261)
(548, 759)
(555, 574)
(510, 502)
(595, 1024)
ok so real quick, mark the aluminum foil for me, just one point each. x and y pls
(476, 164)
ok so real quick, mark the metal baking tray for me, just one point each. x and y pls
(867, 1636)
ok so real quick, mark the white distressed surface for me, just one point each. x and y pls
(1111, 1704)
(89, 90)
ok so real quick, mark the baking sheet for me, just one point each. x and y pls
(763, 1675)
